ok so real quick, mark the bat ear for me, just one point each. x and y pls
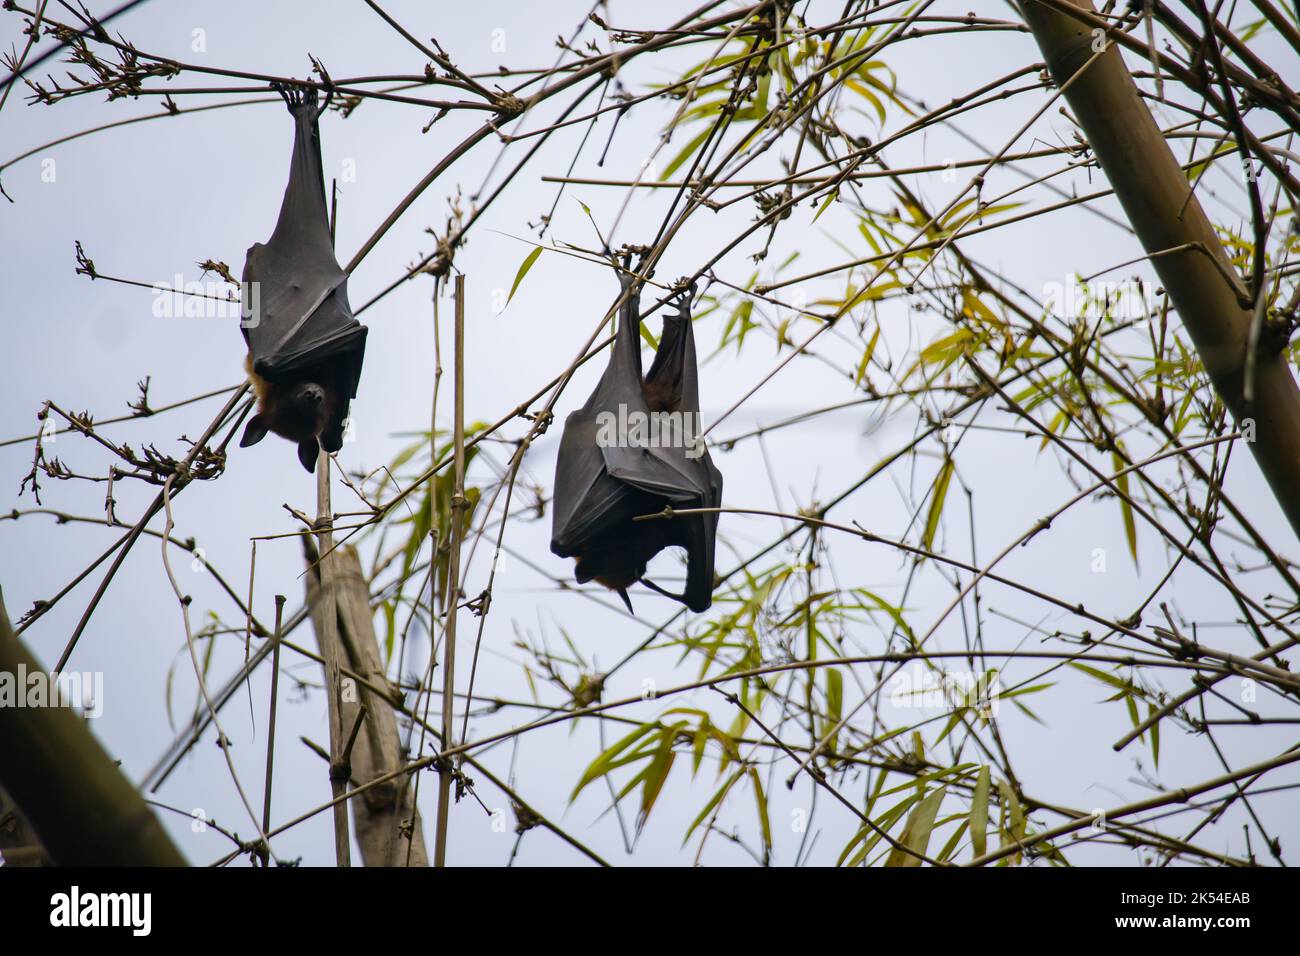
(307, 454)
(254, 431)
(622, 592)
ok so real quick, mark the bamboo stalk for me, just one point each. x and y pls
(1166, 215)
(270, 730)
(327, 633)
(19, 845)
(458, 505)
(385, 820)
(72, 793)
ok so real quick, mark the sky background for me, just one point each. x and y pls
(151, 200)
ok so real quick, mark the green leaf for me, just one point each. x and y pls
(866, 838)
(1126, 508)
(685, 154)
(523, 271)
(950, 847)
(1015, 817)
(1155, 736)
(656, 776)
(916, 835)
(765, 825)
(979, 813)
(604, 762)
(1117, 682)
(390, 628)
(826, 204)
(834, 704)
(953, 721)
(936, 503)
(866, 358)
(713, 802)
(946, 350)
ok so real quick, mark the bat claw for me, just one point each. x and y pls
(327, 81)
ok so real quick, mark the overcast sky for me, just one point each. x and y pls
(150, 200)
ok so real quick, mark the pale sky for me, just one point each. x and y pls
(150, 200)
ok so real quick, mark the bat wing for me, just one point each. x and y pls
(589, 497)
(300, 315)
(629, 458)
(674, 375)
(603, 479)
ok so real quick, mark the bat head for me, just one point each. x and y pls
(299, 411)
(308, 395)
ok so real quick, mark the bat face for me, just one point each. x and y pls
(307, 412)
(297, 414)
(602, 483)
(305, 348)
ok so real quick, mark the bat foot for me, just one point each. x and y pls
(694, 601)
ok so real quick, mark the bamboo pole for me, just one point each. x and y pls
(270, 728)
(385, 820)
(1174, 230)
(327, 633)
(19, 845)
(74, 796)
(458, 505)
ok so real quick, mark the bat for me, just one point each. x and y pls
(305, 349)
(609, 470)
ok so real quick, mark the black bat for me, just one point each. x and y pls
(305, 349)
(607, 473)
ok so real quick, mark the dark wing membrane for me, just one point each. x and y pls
(674, 375)
(300, 315)
(600, 485)
(656, 471)
(681, 469)
(588, 500)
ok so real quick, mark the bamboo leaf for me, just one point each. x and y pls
(1126, 509)
(1117, 682)
(603, 762)
(713, 802)
(523, 271)
(1015, 817)
(936, 503)
(834, 704)
(685, 154)
(979, 813)
(656, 775)
(916, 835)
(1155, 735)
(950, 847)
(826, 204)
(866, 358)
(764, 824)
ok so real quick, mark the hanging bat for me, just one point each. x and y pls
(305, 349)
(605, 476)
